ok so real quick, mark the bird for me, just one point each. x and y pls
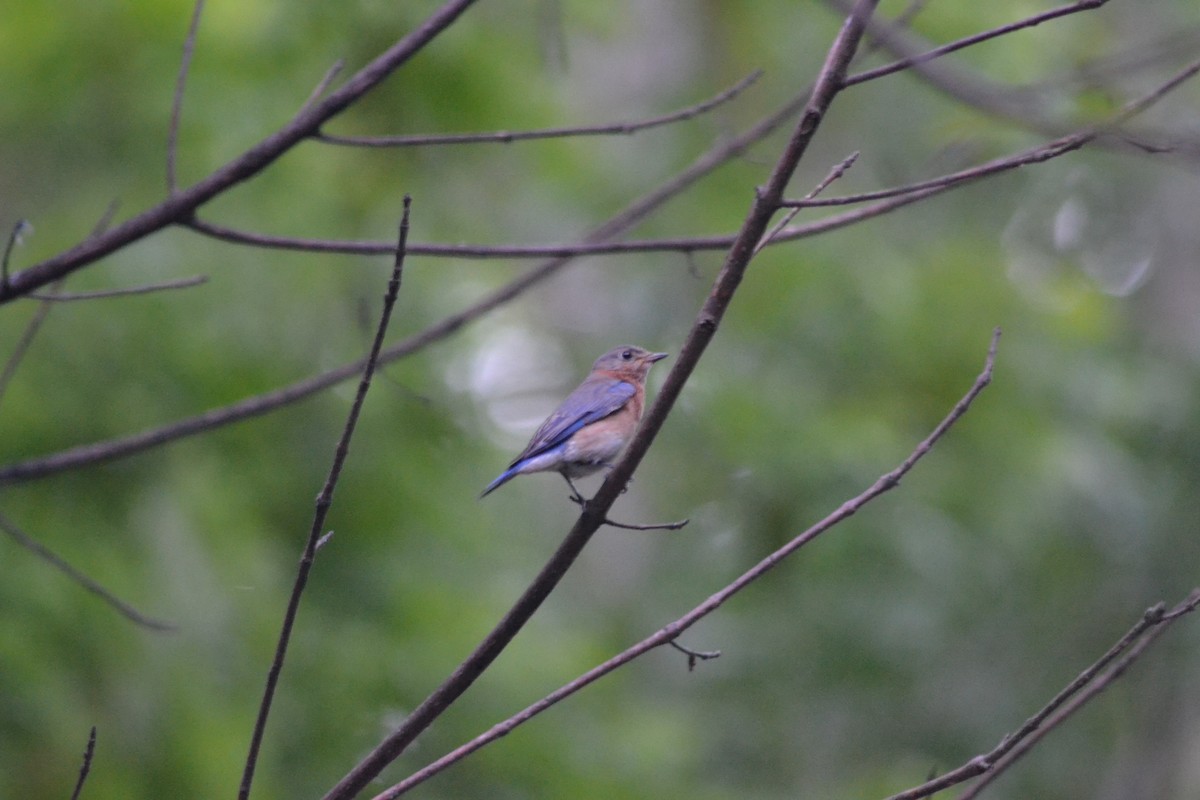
(589, 429)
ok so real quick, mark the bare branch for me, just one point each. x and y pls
(951, 47)
(834, 174)
(324, 501)
(620, 128)
(53, 559)
(181, 205)
(334, 70)
(14, 238)
(24, 341)
(670, 632)
(694, 656)
(596, 509)
(86, 766)
(149, 288)
(1085, 687)
(185, 64)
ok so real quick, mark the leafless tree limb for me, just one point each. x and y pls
(75, 576)
(324, 501)
(86, 766)
(24, 341)
(670, 632)
(334, 70)
(148, 288)
(505, 137)
(1085, 687)
(185, 64)
(960, 44)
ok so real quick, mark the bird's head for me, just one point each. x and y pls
(628, 360)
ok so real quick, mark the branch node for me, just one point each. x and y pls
(694, 656)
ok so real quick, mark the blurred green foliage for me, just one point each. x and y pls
(908, 639)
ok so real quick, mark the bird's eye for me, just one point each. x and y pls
(626, 354)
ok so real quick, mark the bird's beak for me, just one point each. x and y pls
(656, 357)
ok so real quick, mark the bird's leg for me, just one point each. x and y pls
(575, 495)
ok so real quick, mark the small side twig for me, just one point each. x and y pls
(149, 288)
(694, 656)
(323, 503)
(86, 766)
(834, 174)
(579, 500)
(323, 84)
(14, 238)
(968, 41)
(24, 341)
(185, 64)
(619, 128)
(53, 559)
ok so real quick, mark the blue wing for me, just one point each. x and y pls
(595, 399)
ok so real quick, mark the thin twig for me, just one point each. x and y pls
(834, 174)
(185, 64)
(1097, 686)
(323, 503)
(86, 766)
(968, 41)
(53, 559)
(149, 288)
(579, 500)
(694, 656)
(334, 70)
(14, 238)
(506, 137)
(24, 341)
(653, 526)
(670, 632)
(595, 510)
(1071, 698)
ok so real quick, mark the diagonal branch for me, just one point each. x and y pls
(668, 633)
(595, 510)
(324, 501)
(185, 65)
(59, 563)
(86, 766)
(505, 137)
(968, 41)
(181, 205)
(1077, 693)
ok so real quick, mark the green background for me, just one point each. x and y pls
(905, 641)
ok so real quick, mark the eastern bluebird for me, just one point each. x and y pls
(590, 427)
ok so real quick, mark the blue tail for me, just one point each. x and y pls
(504, 478)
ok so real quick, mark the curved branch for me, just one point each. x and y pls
(59, 563)
(181, 205)
(505, 137)
(323, 503)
